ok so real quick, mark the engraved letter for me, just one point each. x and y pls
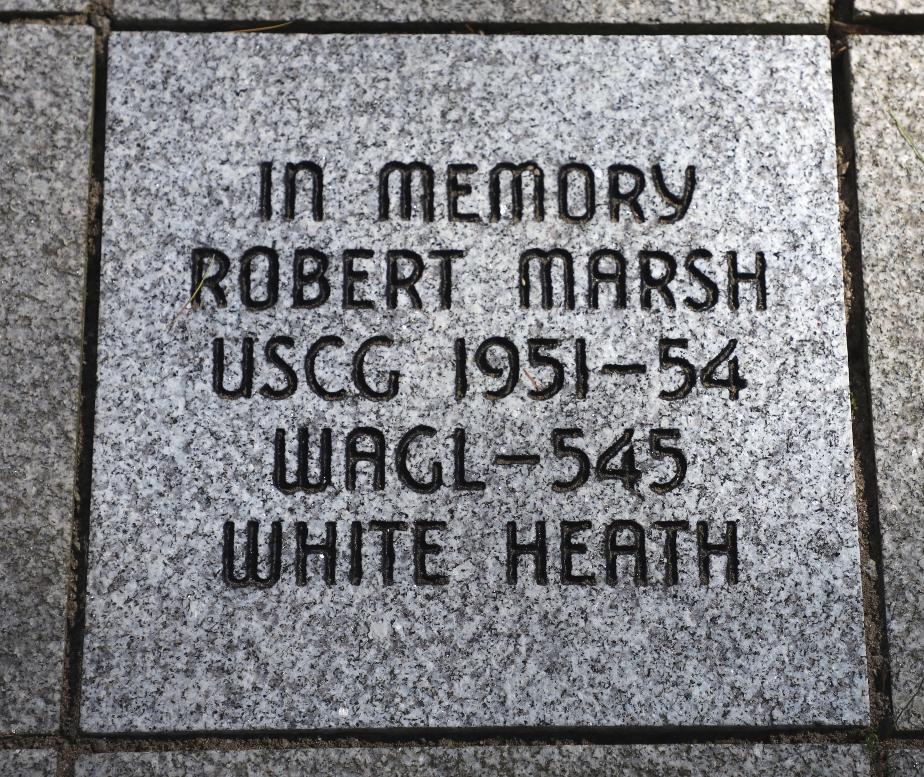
(406, 172)
(516, 190)
(545, 260)
(251, 576)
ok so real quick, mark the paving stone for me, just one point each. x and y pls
(905, 763)
(563, 761)
(29, 6)
(768, 631)
(888, 7)
(485, 11)
(45, 103)
(27, 763)
(888, 79)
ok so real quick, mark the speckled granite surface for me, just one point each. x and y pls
(514, 761)
(637, 11)
(45, 100)
(869, 7)
(891, 187)
(43, 5)
(27, 763)
(905, 763)
(191, 117)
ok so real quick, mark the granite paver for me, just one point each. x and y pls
(887, 87)
(30, 6)
(27, 763)
(46, 78)
(904, 763)
(888, 7)
(731, 594)
(514, 761)
(567, 11)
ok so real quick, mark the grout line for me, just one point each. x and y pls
(30, 742)
(296, 739)
(301, 26)
(842, 15)
(76, 611)
(173, 741)
(286, 739)
(913, 739)
(877, 648)
(42, 17)
(606, 735)
(227, 741)
(65, 762)
(887, 24)
(846, 24)
(72, 742)
(880, 698)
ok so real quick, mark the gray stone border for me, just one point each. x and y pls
(880, 738)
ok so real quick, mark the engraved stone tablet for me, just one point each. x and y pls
(889, 130)
(564, 761)
(813, 12)
(457, 381)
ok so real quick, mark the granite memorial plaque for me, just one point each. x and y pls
(46, 76)
(889, 131)
(509, 761)
(814, 12)
(471, 381)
